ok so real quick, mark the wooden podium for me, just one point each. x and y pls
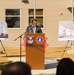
(35, 50)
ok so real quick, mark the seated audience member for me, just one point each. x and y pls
(65, 67)
(16, 68)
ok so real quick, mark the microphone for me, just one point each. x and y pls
(30, 27)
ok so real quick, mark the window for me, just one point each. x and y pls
(12, 17)
(39, 16)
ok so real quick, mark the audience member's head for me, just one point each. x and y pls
(16, 68)
(65, 67)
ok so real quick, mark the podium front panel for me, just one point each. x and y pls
(35, 50)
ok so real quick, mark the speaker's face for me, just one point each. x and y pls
(34, 23)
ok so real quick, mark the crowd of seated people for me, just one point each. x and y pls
(65, 67)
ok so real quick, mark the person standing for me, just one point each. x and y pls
(34, 28)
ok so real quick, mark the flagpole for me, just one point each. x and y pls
(34, 9)
(72, 10)
(72, 20)
(72, 51)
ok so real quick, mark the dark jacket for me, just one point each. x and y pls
(30, 29)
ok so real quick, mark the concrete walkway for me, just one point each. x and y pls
(50, 66)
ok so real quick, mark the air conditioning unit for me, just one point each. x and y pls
(25, 1)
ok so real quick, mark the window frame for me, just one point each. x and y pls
(19, 16)
(37, 16)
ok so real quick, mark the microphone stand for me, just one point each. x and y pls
(65, 49)
(20, 43)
